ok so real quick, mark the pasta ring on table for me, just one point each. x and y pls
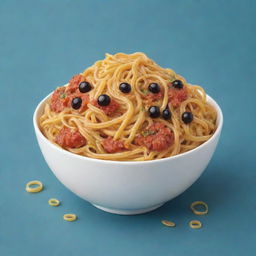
(192, 207)
(195, 224)
(168, 223)
(36, 189)
(54, 202)
(69, 217)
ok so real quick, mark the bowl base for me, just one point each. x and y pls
(128, 212)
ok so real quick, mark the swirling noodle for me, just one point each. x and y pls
(132, 117)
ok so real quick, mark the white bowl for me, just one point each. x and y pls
(127, 187)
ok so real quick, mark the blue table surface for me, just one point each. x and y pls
(211, 43)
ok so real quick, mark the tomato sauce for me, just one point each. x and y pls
(157, 137)
(74, 83)
(113, 146)
(152, 97)
(59, 100)
(108, 110)
(176, 96)
(68, 138)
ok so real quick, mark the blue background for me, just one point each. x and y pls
(211, 43)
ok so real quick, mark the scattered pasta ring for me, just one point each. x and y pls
(195, 224)
(69, 217)
(54, 202)
(36, 189)
(168, 223)
(192, 207)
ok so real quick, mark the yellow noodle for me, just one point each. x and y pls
(168, 223)
(132, 117)
(69, 217)
(193, 209)
(54, 202)
(39, 186)
(195, 224)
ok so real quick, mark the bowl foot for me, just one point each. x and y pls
(127, 212)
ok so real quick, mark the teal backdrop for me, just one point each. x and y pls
(211, 43)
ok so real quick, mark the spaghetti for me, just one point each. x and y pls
(128, 108)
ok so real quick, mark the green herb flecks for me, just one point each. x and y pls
(63, 95)
(144, 91)
(147, 132)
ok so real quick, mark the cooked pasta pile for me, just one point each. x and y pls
(128, 108)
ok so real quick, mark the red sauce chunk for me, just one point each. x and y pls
(152, 97)
(157, 137)
(74, 83)
(176, 96)
(68, 138)
(113, 146)
(59, 100)
(85, 100)
(108, 110)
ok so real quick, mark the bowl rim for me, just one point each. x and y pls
(209, 99)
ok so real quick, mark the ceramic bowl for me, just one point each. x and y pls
(127, 187)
